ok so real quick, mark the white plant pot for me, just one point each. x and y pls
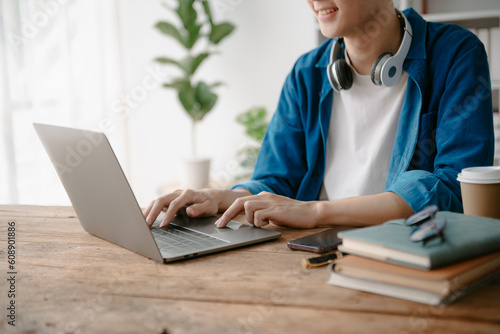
(193, 173)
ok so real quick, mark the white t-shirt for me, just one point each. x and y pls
(361, 137)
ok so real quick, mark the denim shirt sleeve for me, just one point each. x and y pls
(452, 108)
(464, 135)
(280, 166)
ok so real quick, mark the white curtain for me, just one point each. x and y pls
(60, 63)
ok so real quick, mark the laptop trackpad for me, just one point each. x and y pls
(207, 224)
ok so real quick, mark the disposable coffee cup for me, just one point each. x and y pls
(481, 191)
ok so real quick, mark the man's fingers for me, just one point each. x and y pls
(185, 198)
(249, 209)
(148, 209)
(261, 217)
(235, 209)
(157, 206)
(153, 212)
(197, 209)
(248, 204)
(253, 206)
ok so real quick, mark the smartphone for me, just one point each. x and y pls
(319, 242)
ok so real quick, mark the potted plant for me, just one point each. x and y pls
(198, 34)
(255, 123)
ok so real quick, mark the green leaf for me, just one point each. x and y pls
(197, 99)
(248, 156)
(189, 64)
(205, 100)
(252, 116)
(166, 60)
(198, 60)
(206, 7)
(179, 84)
(220, 31)
(187, 98)
(170, 30)
(193, 33)
(187, 13)
(254, 121)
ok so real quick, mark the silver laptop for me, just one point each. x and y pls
(107, 207)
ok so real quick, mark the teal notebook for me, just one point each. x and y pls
(466, 237)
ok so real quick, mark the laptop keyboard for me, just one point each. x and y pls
(176, 239)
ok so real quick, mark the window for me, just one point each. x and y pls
(60, 63)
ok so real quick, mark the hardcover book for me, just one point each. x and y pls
(466, 237)
(443, 281)
(403, 292)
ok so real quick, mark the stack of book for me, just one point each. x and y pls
(382, 259)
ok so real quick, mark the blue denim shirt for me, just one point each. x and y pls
(446, 121)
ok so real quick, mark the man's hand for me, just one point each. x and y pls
(266, 208)
(199, 203)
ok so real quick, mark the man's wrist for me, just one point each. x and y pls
(331, 213)
(323, 212)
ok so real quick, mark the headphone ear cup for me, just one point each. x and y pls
(343, 73)
(377, 68)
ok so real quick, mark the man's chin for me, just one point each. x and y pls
(329, 31)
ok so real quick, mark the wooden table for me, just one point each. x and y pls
(68, 281)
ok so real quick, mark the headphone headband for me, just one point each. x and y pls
(386, 70)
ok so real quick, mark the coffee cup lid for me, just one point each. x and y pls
(481, 175)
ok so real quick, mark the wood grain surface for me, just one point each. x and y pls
(71, 282)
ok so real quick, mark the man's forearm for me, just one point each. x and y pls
(363, 210)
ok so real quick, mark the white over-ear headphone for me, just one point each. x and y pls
(386, 70)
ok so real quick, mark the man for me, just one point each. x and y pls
(367, 152)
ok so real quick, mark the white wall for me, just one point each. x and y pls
(253, 64)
